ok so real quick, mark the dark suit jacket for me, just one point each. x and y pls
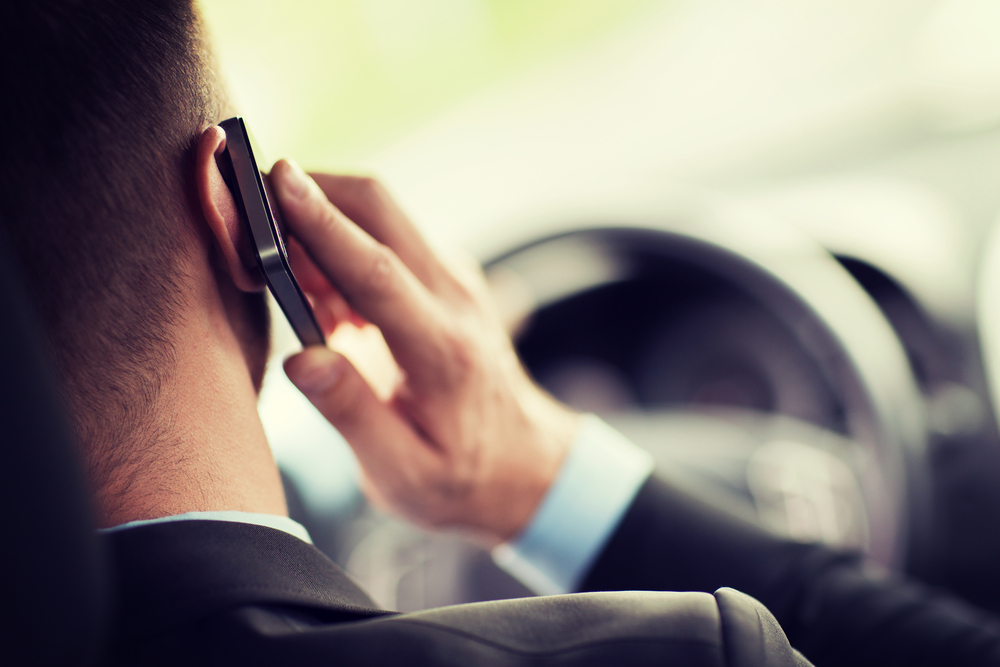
(834, 607)
(223, 593)
(218, 593)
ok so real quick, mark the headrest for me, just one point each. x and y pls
(53, 585)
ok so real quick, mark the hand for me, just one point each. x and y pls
(464, 439)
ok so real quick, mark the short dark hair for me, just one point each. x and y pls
(102, 103)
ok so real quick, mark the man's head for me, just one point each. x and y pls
(104, 105)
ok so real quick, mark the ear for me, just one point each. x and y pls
(221, 214)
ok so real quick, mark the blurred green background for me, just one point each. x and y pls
(332, 82)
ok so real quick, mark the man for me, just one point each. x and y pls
(137, 260)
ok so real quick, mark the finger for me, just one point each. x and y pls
(329, 306)
(325, 317)
(367, 273)
(308, 275)
(369, 204)
(365, 348)
(390, 452)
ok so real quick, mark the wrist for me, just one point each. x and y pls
(534, 461)
(596, 484)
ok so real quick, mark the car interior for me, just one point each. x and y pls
(819, 420)
(754, 238)
(809, 392)
(56, 573)
(813, 341)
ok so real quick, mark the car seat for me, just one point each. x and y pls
(54, 585)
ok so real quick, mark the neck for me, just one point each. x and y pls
(212, 454)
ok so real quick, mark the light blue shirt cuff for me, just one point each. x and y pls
(282, 523)
(600, 477)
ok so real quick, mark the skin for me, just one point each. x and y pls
(465, 439)
(213, 452)
(461, 439)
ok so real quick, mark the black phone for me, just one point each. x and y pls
(254, 198)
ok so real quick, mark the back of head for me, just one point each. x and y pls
(102, 102)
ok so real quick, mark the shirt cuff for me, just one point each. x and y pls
(600, 477)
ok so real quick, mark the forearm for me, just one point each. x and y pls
(833, 607)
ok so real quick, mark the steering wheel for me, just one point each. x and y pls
(727, 333)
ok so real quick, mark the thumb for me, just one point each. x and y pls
(387, 447)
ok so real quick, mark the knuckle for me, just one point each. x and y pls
(379, 275)
(367, 185)
(464, 358)
(325, 218)
(368, 192)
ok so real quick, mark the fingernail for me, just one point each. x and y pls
(296, 180)
(318, 376)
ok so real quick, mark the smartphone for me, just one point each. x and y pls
(254, 201)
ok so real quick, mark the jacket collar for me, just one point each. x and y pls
(175, 573)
